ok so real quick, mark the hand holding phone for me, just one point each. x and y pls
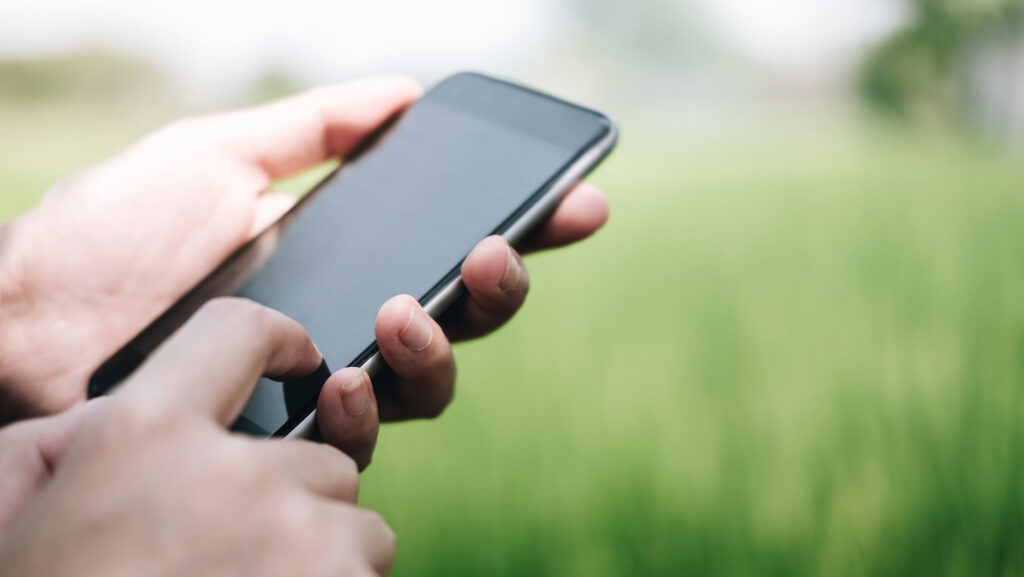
(119, 242)
(148, 482)
(473, 157)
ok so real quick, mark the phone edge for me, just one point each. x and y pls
(533, 216)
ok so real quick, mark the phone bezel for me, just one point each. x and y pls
(513, 229)
(227, 278)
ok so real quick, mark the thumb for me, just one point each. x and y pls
(30, 452)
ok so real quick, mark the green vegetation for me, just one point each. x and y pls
(93, 76)
(796, 359)
(924, 72)
(795, 355)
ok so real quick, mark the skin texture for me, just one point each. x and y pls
(111, 247)
(149, 483)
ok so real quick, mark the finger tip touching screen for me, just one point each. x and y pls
(475, 156)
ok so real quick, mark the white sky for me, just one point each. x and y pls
(215, 42)
(798, 33)
(214, 45)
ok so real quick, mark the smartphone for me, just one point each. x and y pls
(474, 156)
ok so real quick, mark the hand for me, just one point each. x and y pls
(110, 248)
(147, 482)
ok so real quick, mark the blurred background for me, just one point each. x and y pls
(798, 346)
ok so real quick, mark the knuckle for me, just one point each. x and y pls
(350, 481)
(248, 314)
(136, 416)
(370, 537)
(236, 476)
(242, 468)
(344, 469)
(296, 515)
(295, 527)
(17, 447)
(256, 316)
(347, 467)
(124, 420)
(230, 307)
(381, 531)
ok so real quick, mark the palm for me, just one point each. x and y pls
(162, 229)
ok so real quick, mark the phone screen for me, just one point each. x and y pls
(458, 165)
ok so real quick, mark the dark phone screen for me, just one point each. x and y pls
(400, 218)
(456, 166)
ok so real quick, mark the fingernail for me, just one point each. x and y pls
(513, 271)
(355, 395)
(417, 333)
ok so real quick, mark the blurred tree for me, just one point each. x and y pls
(92, 77)
(959, 59)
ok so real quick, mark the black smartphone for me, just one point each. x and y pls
(475, 156)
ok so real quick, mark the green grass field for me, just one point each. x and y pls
(798, 354)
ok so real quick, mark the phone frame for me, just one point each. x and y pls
(530, 214)
(225, 280)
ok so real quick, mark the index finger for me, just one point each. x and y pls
(290, 135)
(580, 214)
(212, 364)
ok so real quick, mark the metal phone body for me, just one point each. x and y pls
(540, 210)
(233, 273)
